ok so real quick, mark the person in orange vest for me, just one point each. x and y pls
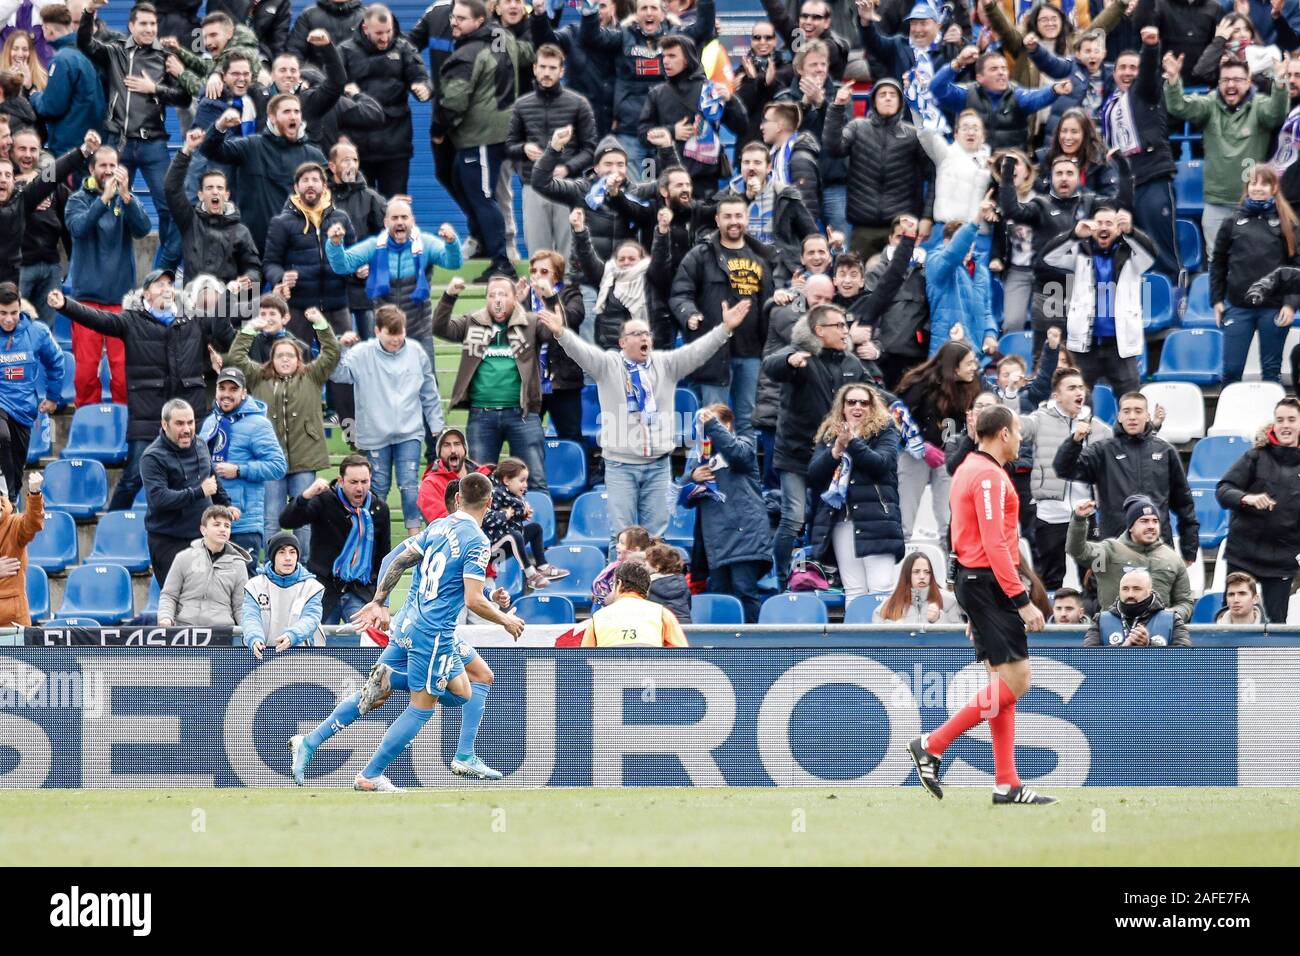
(631, 619)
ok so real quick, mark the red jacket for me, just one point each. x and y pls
(433, 487)
(985, 520)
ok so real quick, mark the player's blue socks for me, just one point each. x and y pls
(400, 733)
(344, 714)
(397, 680)
(471, 715)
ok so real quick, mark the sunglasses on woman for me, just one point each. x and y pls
(857, 402)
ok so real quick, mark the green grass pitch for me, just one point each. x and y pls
(637, 826)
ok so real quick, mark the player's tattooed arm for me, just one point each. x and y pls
(405, 559)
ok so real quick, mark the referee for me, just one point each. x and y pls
(985, 539)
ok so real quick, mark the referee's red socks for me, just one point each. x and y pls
(999, 711)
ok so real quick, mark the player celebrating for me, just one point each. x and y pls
(985, 513)
(450, 560)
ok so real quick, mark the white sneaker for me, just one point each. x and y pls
(470, 248)
(512, 252)
(380, 784)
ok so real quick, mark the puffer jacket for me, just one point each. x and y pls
(386, 76)
(201, 590)
(671, 591)
(218, 245)
(477, 87)
(1047, 428)
(292, 245)
(1249, 246)
(807, 393)
(255, 449)
(539, 114)
(1178, 634)
(587, 71)
(131, 115)
(339, 20)
(293, 405)
(956, 296)
(961, 178)
(173, 479)
(889, 171)
(1265, 543)
(872, 501)
(638, 61)
(1126, 465)
(737, 529)
(365, 208)
(1112, 558)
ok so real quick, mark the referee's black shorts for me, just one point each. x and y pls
(996, 627)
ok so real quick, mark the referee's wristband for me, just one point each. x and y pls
(1021, 599)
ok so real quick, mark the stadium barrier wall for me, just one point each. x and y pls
(794, 716)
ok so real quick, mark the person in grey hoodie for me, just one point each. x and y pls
(637, 389)
(206, 581)
(396, 398)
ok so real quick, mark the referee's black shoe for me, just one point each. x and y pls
(1023, 795)
(927, 768)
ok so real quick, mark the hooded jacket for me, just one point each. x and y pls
(203, 590)
(102, 265)
(330, 526)
(386, 76)
(266, 164)
(25, 353)
(255, 450)
(872, 500)
(1111, 558)
(433, 486)
(396, 393)
(961, 177)
(339, 20)
(1162, 631)
(162, 361)
(130, 115)
(538, 114)
(1265, 543)
(73, 100)
(671, 591)
(293, 244)
(638, 60)
(16, 532)
(889, 171)
(477, 87)
(292, 405)
(1126, 465)
(275, 604)
(474, 332)
(736, 529)
(215, 244)
(402, 273)
(1249, 245)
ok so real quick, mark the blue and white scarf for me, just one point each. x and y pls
(219, 443)
(595, 197)
(912, 439)
(1118, 128)
(247, 114)
(640, 391)
(781, 162)
(544, 353)
(378, 285)
(916, 91)
(356, 557)
(837, 495)
(706, 145)
(1288, 143)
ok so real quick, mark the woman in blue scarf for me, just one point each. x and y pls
(1258, 238)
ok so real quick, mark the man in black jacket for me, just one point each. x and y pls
(901, 330)
(338, 18)
(365, 209)
(213, 239)
(728, 268)
(387, 68)
(1187, 25)
(333, 511)
(25, 201)
(1134, 462)
(796, 156)
(178, 484)
(674, 105)
(139, 91)
(535, 119)
(813, 23)
(322, 100)
(166, 356)
(589, 70)
(889, 172)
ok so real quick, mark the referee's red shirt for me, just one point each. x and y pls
(985, 522)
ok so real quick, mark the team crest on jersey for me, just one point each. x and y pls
(441, 684)
(1116, 638)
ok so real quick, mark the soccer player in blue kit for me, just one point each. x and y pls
(450, 560)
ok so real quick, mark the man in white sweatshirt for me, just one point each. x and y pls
(637, 387)
(396, 397)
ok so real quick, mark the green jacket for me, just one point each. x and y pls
(198, 68)
(477, 89)
(1112, 558)
(292, 404)
(1234, 139)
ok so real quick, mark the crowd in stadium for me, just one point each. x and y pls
(788, 273)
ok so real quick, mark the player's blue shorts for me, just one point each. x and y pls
(431, 662)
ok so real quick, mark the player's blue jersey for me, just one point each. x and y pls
(452, 547)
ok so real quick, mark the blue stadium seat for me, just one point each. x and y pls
(65, 622)
(1189, 244)
(38, 593)
(98, 432)
(1157, 301)
(717, 609)
(589, 520)
(1212, 456)
(63, 331)
(793, 607)
(42, 443)
(77, 486)
(1212, 517)
(583, 563)
(566, 469)
(105, 380)
(590, 416)
(543, 514)
(68, 392)
(1199, 313)
(150, 613)
(1142, 361)
(1192, 355)
(1207, 605)
(140, 502)
(99, 591)
(861, 609)
(120, 538)
(1189, 188)
(55, 546)
(1104, 405)
(681, 528)
(546, 609)
(1018, 343)
(511, 577)
(687, 405)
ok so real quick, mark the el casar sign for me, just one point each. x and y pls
(112, 717)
